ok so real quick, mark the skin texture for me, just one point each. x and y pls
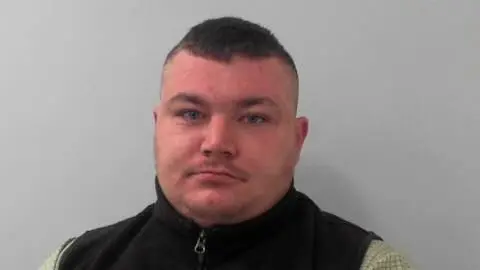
(227, 138)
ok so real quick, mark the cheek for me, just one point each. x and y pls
(268, 153)
(174, 149)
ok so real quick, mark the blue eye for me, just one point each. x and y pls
(254, 119)
(190, 115)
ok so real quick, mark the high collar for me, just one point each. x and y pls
(246, 230)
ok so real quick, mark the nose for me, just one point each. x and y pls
(219, 139)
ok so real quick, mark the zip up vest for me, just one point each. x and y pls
(294, 234)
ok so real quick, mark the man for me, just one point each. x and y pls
(227, 140)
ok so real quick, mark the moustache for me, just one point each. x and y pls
(218, 168)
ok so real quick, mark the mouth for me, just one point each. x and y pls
(216, 173)
(214, 176)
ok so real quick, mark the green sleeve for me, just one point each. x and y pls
(51, 263)
(381, 256)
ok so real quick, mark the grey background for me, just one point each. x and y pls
(392, 89)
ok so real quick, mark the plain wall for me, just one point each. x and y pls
(392, 89)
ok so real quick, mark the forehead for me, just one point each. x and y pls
(222, 81)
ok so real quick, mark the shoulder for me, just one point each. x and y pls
(380, 256)
(332, 225)
(339, 237)
(83, 248)
(103, 234)
(339, 243)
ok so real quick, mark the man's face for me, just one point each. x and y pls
(226, 138)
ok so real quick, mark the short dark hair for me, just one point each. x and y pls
(222, 38)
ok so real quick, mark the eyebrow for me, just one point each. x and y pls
(187, 98)
(255, 101)
(242, 104)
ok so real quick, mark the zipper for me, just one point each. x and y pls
(200, 249)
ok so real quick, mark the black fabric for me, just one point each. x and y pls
(294, 234)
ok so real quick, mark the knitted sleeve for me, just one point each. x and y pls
(381, 256)
(51, 263)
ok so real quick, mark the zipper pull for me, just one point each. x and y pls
(200, 249)
(200, 245)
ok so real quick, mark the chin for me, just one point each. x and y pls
(212, 202)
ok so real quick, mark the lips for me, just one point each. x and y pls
(215, 175)
(214, 172)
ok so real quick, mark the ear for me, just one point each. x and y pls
(301, 131)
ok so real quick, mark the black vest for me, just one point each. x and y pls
(294, 234)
